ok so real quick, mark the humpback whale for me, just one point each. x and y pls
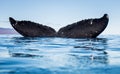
(88, 28)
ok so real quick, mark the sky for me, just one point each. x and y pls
(59, 13)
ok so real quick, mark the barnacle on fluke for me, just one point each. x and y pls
(89, 28)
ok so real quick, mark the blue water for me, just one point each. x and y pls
(25, 55)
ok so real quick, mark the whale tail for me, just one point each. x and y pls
(89, 28)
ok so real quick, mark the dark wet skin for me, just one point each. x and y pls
(31, 29)
(89, 28)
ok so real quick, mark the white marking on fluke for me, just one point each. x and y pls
(91, 22)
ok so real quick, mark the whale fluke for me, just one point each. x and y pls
(89, 28)
(31, 29)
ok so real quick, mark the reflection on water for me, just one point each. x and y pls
(55, 56)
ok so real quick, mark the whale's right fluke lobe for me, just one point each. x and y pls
(31, 29)
(105, 16)
(89, 28)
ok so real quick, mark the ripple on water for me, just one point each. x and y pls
(59, 55)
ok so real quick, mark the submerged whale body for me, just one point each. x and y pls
(89, 28)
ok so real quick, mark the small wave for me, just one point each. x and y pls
(58, 55)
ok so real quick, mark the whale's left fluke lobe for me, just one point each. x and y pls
(31, 29)
(12, 21)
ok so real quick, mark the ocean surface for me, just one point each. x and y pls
(27, 55)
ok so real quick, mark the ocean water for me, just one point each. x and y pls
(27, 55)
